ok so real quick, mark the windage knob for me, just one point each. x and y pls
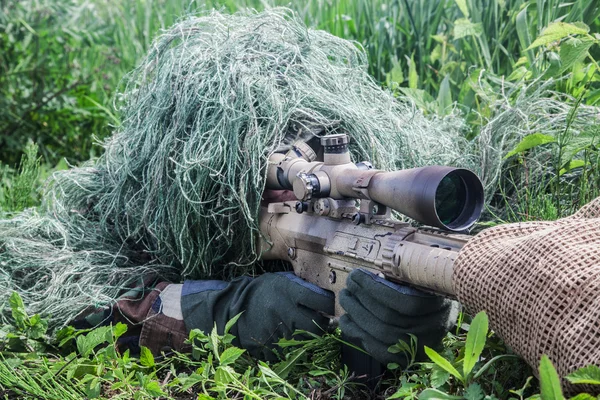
(305, 186)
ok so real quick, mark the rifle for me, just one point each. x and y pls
(343, 218)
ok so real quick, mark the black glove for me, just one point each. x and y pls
(379, 313)
(274, 305)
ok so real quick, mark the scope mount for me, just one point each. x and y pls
(368, 213)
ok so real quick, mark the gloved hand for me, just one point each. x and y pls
(274, 305)
(379, 313)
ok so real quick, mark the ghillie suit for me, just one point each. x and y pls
(177, 192)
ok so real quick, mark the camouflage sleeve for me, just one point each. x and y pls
(152, 314)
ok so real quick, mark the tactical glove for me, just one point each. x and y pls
(379, 313)
(274, 305)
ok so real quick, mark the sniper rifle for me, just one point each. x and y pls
(342, 218)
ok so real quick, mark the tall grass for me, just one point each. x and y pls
(61, 61)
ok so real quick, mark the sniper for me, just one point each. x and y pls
(162, 231)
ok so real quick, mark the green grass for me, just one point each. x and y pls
(61, 61)
(60, 66)
(87, 363)
(21, 189)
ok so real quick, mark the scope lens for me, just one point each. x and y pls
(450, 198)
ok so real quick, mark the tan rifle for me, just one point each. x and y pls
(342, 218)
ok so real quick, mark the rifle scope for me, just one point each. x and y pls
(445, 197)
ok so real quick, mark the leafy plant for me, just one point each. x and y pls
(474, 346)
(573, 160)
(21, 190)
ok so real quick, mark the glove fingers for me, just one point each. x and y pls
(305, 293)
(386, 299)
(398, 326)
(377, 349)
(312, 321)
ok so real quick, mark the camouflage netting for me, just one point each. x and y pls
(177, 191)
(539, 282)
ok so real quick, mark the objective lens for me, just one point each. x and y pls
(450, 198)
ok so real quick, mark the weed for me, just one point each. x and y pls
(21, 190)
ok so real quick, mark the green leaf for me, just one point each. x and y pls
(214, 341)
(442, 362)
(118, 372)
(413, 77)
(153, 388)
(231, 323)
(422, 99)
(146, 357)
(463, 28)
(224, 375)
(588, 375)
(18, 310)
(12, 362)
(400, 347)
(283, 342)
(573, 51)
(87, 343)
(553, 59)
(462, 4)
(583, 141)
(441, 39)
(65, 335)
(319, 372)
(474, 392)
(392, 366)
(488, 364)
(92, 388)
(119, 330)
(475, 341)
(519, 73)
(435, 394)
(522, 24)
(529, 142)
(521, 62)
(556, 31)
(39, 326)
(439, 376)
(230, 355)
(196, 335)
(406, 390)
(549, 381)
(444, 97)
(283, 368)
(583, 396)
(396, 75)
(572, 165)
(188, 382)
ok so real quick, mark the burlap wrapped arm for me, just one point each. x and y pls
(539, 282)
